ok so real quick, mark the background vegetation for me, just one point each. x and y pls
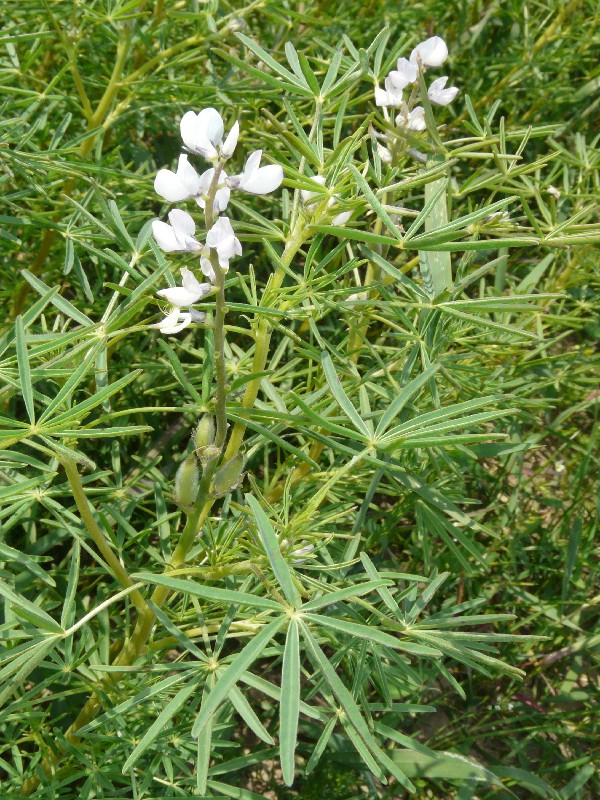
(505, 507)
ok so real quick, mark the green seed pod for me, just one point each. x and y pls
(186, 483)
(205, 432)
(229, 476)
(205, 437)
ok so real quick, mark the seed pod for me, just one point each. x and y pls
(229, 476)
(205, 437)
(186, 483)
(205, 432)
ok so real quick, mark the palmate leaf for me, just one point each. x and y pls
(239, 664)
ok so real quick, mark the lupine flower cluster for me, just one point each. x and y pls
(202, 135)
(430, 53)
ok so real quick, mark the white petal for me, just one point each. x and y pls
(252, 163)
(168, 185)
(416, 120)
(342, 218)
(439, 95)
(306, 195)
(384, 153)
(397, 80)
(408, 70)
(381, 97)
(207, 268)
(200, 290)
(230, 142)
(170, 319)
(201, 132)
(206, 180)
(182, 222)
(187, 126)
(432, 52)
(210, 122)
(190, 282)
(174, 322)
(188, 175)
(264, 180)
(221, 199)
(179, 296)
(165, 238)
(219, 232)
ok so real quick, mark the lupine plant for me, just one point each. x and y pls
(222, 479)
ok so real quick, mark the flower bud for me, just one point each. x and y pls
(229, 476)
(186, 483)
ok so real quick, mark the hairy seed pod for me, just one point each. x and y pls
(229, 476)
(186, 483)
(205, 432)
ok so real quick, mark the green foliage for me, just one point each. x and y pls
(380, 580)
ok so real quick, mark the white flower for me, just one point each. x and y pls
(179, 235)
(256, 179)
(439, 95)
(222, 194)
(190, 292)
(202, 132)
(222, 239)
(230, 142)
(412, 120)
(175, 321)
(407, 70)
(180, 185)
(431, 53)
(392, 94)
(553, 192)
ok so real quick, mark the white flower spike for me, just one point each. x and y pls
(179, 235)
(222, 238)
(180, 185)
(202, 132)
(256, 179)
(222, 195)
(189, 293)
(431, 53)
(439, 95)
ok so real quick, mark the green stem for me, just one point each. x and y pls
(263, 338)
(99, 538)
